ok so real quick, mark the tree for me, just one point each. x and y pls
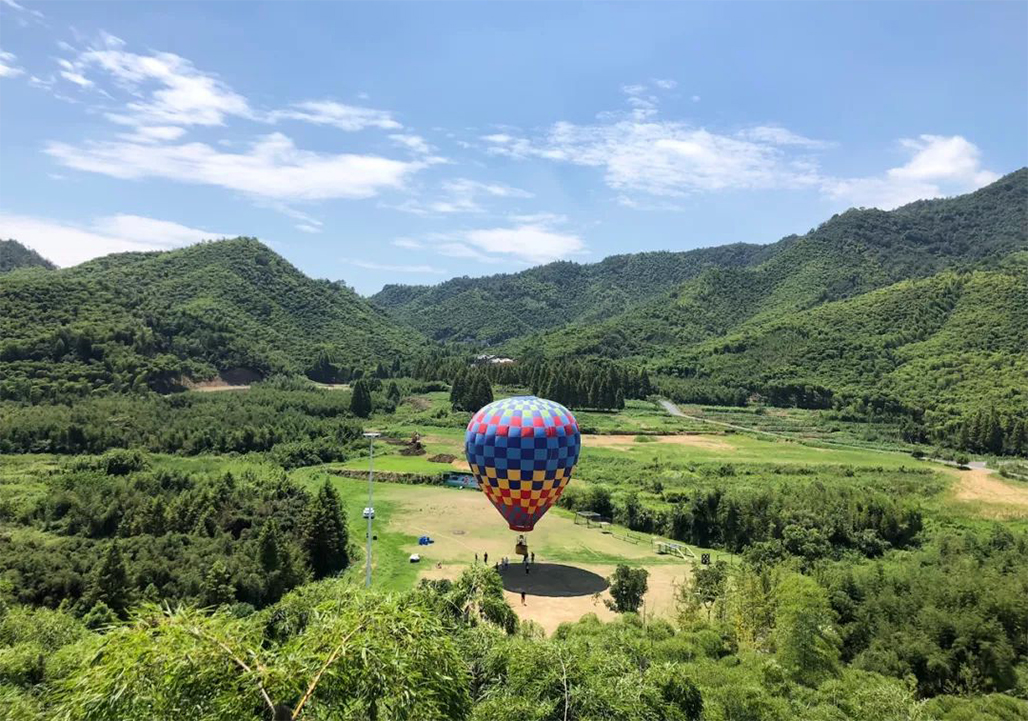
(806, 642)
(393, 393)
(360, 400)
(481, 394)
(276, 559)
(217, 588)
(324, 536)
(110, 583)
(707, 588)
(627, 588)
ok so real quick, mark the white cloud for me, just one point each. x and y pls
(408, 244)
(345, 117)
(777, 135)
(527, 242)
(461, 195)
(273, 167)
(414, 143)
(7, 67)
(696, 98)
(939, 165)
(12, 4)
(665, 84)
(68, 244)
(307, 228)
(370, 265)
(167, 88)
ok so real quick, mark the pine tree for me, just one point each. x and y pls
(360, 400)
(619, 400)
(324, 536)
(268, 547)
(110, 583)
(217, 588)
(458, 390)
(481, 393)
(393, 393)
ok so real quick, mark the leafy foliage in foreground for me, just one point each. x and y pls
(133, 321)
(438, 652)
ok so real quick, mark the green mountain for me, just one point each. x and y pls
(946, 344)
(147, 319)
(14, 255)
(636, 304)
(853, 253)
(501, 307)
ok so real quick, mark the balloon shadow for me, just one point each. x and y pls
(552, 579)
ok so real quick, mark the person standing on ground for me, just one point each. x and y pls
(533, 556)
(476, 558)
(522, 598)
(485, 558)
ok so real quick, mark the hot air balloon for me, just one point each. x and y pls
(522, 451)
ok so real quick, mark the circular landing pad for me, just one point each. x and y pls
(552, 579)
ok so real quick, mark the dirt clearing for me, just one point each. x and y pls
(999, 498)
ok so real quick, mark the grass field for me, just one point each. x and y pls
(463, 524)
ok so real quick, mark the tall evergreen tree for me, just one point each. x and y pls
(324, 536)
(217, 588)
(360, 400)
(110, 582)
(393, 392)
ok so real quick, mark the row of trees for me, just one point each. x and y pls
(986, 431)
(822, 523)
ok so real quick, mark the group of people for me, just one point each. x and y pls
(504, 563)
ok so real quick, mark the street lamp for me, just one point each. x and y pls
(371, 436)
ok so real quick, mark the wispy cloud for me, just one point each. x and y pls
(350, 118)
(938, 165)
(461, 195)
(163, 95)
(272, 167)
(526, 239)
(371, 265)
(8, 69)
(69, 244)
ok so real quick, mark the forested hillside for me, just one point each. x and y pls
(500, 307)
(139, 320)
(14, 255)
(634, 304)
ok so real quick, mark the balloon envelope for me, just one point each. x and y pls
(522, 451)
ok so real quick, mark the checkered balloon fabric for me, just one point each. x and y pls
(522, 451)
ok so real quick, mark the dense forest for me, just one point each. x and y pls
(146, 321)
(717, 288)
(14, 255)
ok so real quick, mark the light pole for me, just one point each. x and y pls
(371, 508)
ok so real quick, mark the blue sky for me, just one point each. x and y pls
(409, 143)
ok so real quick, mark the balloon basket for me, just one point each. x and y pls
(521, 546)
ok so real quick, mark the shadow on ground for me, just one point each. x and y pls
(552, 579)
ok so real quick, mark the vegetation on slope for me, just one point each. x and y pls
(496, 308)
(143, 320)
(14, 255)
